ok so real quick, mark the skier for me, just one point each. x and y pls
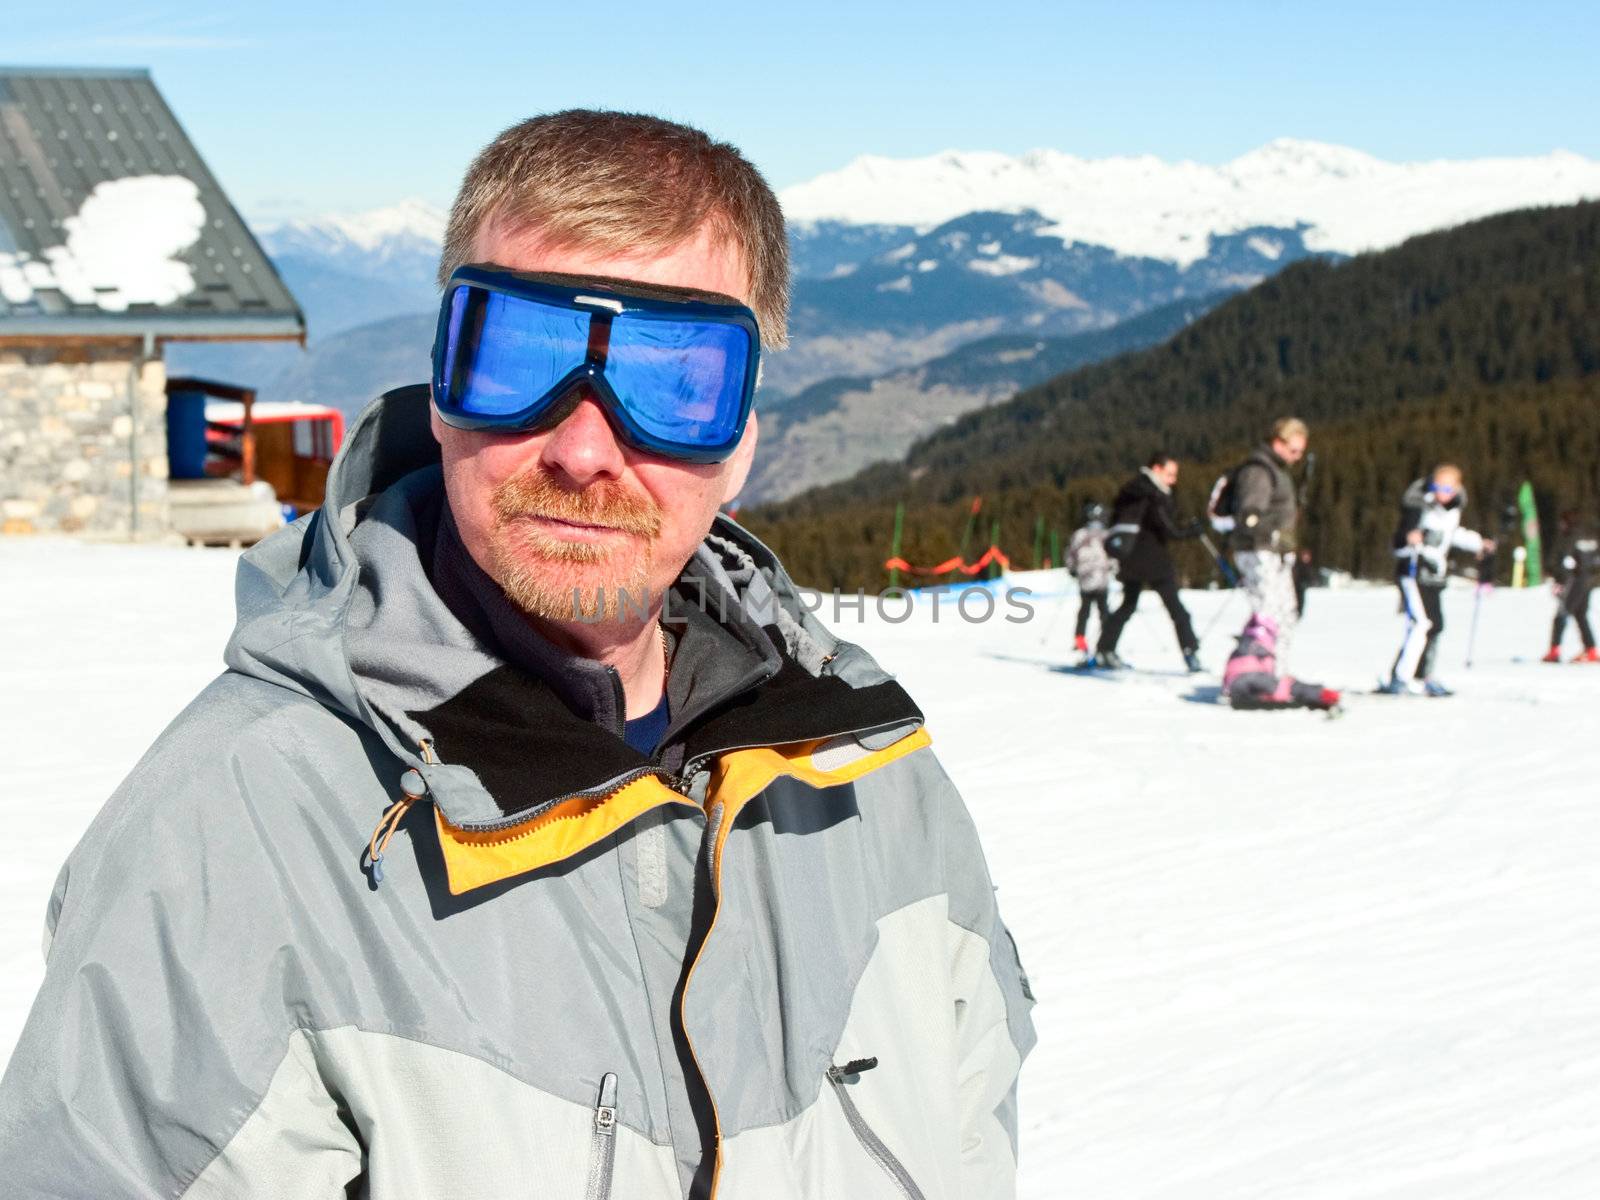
(1092, 567)
(1260, 496)
(1429, 530)
(1251, 678)
(1575, 576)
(1142, 525)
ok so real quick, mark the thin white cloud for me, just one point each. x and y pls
(168, 41)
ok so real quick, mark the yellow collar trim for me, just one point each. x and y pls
(474, 860)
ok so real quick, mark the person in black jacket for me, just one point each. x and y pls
(1576, 572)
(1143, 522)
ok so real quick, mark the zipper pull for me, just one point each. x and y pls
(855, 1066)
(605, 1109)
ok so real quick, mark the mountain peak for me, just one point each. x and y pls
(409, 220)
(1302, 157)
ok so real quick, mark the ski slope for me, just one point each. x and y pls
(1276, 956)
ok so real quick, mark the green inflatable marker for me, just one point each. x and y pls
(1530, 534)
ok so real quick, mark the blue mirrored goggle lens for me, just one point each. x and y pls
(503, 353)
(682, 382)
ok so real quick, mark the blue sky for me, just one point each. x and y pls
(302, 107)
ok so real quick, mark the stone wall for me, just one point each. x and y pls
(67, 440)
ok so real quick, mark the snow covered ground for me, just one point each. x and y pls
(1276, 956)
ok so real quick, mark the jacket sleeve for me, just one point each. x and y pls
(1410, 521)
(1074, 549)
(1158, 516)
(1161, 516)
(994, 1034)
(1468, 541)
(1566, 565)
(149, 1066)
(993, 1027)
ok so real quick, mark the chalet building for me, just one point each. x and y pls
(115, 239)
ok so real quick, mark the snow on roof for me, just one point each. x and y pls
(110, 223)
(119, 248)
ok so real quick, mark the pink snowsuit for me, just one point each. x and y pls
(1251, 679)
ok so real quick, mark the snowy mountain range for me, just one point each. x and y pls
(1347, 201)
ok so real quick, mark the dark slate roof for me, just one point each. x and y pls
(63, 133)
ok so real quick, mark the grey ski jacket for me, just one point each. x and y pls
(1265, 503)
(1088, 561)
(764, 963)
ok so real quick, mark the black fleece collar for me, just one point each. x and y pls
(590, 689)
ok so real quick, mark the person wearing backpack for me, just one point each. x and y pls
(1259, 497)
(1092, 567)
(1143, 522)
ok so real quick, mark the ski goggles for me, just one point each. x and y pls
(516, 352)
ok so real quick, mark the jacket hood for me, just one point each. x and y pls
(340, 608)
(1159, 484)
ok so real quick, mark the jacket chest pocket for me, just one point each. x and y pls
(839, 1078)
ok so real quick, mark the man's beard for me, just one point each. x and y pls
(563, 580)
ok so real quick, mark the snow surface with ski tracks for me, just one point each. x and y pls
(1275, 955)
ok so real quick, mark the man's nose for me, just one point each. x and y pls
(583, 447)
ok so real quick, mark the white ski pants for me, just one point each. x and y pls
(1268, 579)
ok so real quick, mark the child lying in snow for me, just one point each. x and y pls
(1250, 679)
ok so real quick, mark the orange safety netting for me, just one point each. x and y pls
(992, 555)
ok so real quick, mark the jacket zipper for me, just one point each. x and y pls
(698, 762)
(870, 1142)
(603, 1141)
(604, 791)
(682, 783)
(713, 846)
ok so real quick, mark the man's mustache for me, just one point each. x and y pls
(606, 503)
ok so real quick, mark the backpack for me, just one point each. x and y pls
(1122, 535)
(1224, 500)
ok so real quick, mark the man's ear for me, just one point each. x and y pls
(739, 465)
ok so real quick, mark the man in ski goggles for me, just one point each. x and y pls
(674, 369)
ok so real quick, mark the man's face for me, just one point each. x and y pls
(1167, 472)
(1291, 449)
(574, 507)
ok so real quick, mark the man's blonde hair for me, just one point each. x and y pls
(1285, 428)
(624, 183)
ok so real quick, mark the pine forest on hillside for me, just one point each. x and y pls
(1479, 344)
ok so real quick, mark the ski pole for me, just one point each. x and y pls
(1472, 633)
(1229, 575)
(1485, 578)
(1221, 612)
(1061, 608)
